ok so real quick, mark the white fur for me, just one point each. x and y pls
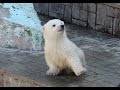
(60, 52)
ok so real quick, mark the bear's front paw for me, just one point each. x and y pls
(52, 72)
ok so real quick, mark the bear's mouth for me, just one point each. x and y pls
(61, 30)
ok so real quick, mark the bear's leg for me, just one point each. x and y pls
(77, 67)
(53, 69)
(82, 58)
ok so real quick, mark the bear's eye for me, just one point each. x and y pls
(54, 25)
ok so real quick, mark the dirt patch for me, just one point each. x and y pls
(8, 79)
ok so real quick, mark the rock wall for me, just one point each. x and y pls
(20, 26)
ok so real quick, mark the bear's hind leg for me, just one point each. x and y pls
(77, 67)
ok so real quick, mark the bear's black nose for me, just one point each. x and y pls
(62, 26)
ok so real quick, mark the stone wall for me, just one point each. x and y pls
(104, 17)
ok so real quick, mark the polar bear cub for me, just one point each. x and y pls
(60, 52)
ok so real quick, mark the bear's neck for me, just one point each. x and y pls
(55, 40)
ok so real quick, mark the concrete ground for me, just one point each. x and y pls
(102, 52)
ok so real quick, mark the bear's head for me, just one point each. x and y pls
(54, 28)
